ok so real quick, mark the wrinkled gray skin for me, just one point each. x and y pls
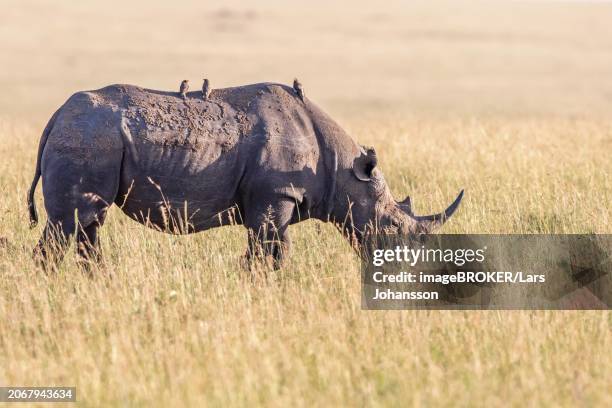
(254, 155)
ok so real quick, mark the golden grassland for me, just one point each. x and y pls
(451, 97)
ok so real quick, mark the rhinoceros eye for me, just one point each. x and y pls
(378, 184)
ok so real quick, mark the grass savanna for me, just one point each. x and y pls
(177, 318)
(176, 321)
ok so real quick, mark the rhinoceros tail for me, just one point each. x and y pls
(37, 173)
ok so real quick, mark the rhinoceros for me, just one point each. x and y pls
(256, 155)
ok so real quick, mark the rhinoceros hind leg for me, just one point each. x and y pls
(55, 240)
(52, 245)
(268, 232)
(77, 194)
(88, 245)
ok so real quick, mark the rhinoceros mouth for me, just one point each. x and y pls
(424, 224)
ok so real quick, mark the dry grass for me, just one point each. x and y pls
(451, 97)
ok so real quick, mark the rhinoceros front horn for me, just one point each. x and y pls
(431, 222)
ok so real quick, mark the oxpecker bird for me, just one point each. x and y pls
(206, 89)
(184, 88)
(297, 87)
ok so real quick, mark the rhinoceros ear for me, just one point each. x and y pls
(364, 165)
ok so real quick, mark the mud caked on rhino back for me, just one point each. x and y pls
(165, 119)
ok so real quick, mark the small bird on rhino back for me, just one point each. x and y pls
(184, 88)
(206, 89)
(297, 87)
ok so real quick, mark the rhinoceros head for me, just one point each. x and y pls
(372, 209)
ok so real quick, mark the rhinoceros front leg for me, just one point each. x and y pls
(267, 226)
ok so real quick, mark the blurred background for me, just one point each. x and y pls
(474, 57)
